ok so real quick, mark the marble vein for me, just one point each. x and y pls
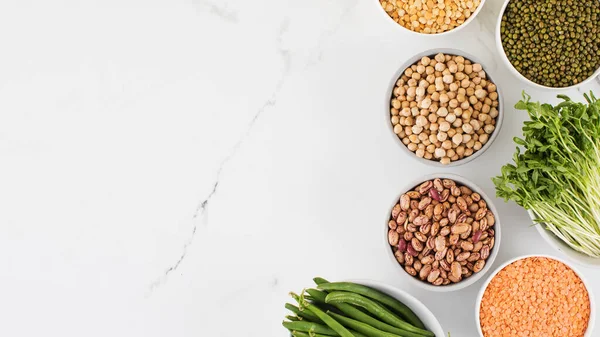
(222, 11)
(318, 53)
(285, 56)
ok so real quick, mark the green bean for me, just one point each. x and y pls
(360, 316)
(307, 315)
(318, 297)
(293, 318)
(312, 334)
(320, 280)
(304, 334)
(332, 323)
(309, 327)
(391, 302)
(375, 309)
(362, 327)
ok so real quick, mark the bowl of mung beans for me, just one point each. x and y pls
(429, 17)
(442, 233)
(535, 295)
(550, 44)
(443, 107)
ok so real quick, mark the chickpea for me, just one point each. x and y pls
(457, 139)
(428, 155)
(433, 138)
(458, 112)
(397, 129)
(421, 121)
(405, 141)
(420, 153)
(444, 126)
(435, 96)
(453, 103)
(445, 160)
(470, 144)
(457, 123)
(483, 138)
(432, 118)
(447, 145)
(451, 132)
(441, 136)
(467, 128)
(442, 112)
(412, 147)
(433, 127)
(465, 105)
(475, 124)
(395, 120)
(420, 68)
(439, 153)
(477, 67)
(489, 128)
(444, 98)
(450, 118)
(468, 152)
(420, 91)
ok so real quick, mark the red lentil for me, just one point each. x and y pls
(533, 297)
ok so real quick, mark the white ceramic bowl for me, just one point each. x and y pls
(431, 53)
(518, 74)
(562, 247)
(493, 253)
(424, 314)
(387, 18)
(592, 321)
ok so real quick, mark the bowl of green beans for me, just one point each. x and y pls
(357, 309)
(553, 45)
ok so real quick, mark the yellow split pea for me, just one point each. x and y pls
(430, 16)
(535, 297)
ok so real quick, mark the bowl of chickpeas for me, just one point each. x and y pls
(443, 107)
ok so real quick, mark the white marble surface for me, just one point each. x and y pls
(174, 168)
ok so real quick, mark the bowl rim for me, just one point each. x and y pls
(556, 243)
(493, 253)
(591, 322)
(430, 52)
(437, 330)
(514, 71)
(467, 21)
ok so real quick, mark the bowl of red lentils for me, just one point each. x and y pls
(535, 295)
(443, 107)
(430, 17)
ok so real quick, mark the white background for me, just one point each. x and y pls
(120, 118)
